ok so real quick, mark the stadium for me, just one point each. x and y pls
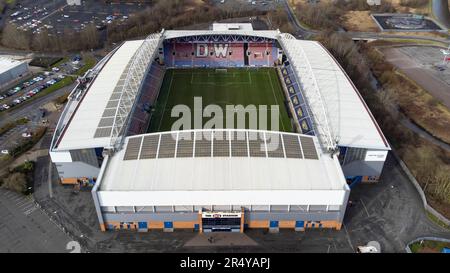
(117, 133)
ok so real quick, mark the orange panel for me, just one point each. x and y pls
(69, 181)
(258, 224)
(153, 224)
(286, 224)
(184, 224)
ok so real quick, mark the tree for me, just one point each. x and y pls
(15, 38)
(90, 37)
(16, 182)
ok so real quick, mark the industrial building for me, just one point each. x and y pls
(11, 70)
(218, 179)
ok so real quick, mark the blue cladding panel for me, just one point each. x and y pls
(196, 227)
(299, 224)
(168, 224)
(273, 224)
(355, 181)
(142, 225)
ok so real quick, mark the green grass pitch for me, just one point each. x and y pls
(237, 86)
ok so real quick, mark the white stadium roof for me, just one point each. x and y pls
(174, 177)
(345, 112)
(270, 34)
(81, 129)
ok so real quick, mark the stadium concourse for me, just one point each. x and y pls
(115, 134)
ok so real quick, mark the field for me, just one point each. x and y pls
(234, 87)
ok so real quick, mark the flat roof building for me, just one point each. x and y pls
(11, 70)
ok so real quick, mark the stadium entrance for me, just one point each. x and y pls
(221, 221)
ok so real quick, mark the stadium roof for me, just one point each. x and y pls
(238, 26)
(346, 113)
(82, 127)
(167, 162)
(171, 34)
(341, 112)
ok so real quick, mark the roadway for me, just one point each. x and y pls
(31, 108)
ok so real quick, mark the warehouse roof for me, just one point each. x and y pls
(7, 64)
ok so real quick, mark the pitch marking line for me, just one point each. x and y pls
(215, 83)
(276, 100)
(165, 103)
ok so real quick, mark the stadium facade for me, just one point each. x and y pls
(218, 179)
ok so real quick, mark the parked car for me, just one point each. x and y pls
(5, 152)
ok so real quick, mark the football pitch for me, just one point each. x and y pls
(237, 86)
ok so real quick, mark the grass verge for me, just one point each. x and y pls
(437, 220)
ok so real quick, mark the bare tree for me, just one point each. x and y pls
(15, 182)
(15, 38)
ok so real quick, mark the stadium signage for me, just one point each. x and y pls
(376, 156)
(220, 50)
(221, 214)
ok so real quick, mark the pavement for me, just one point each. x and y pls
(418, 63)
(221, 239)
(390, 212)
(24, 228)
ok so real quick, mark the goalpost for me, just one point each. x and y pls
(221, 70)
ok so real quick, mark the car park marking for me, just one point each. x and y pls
(365, 208)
